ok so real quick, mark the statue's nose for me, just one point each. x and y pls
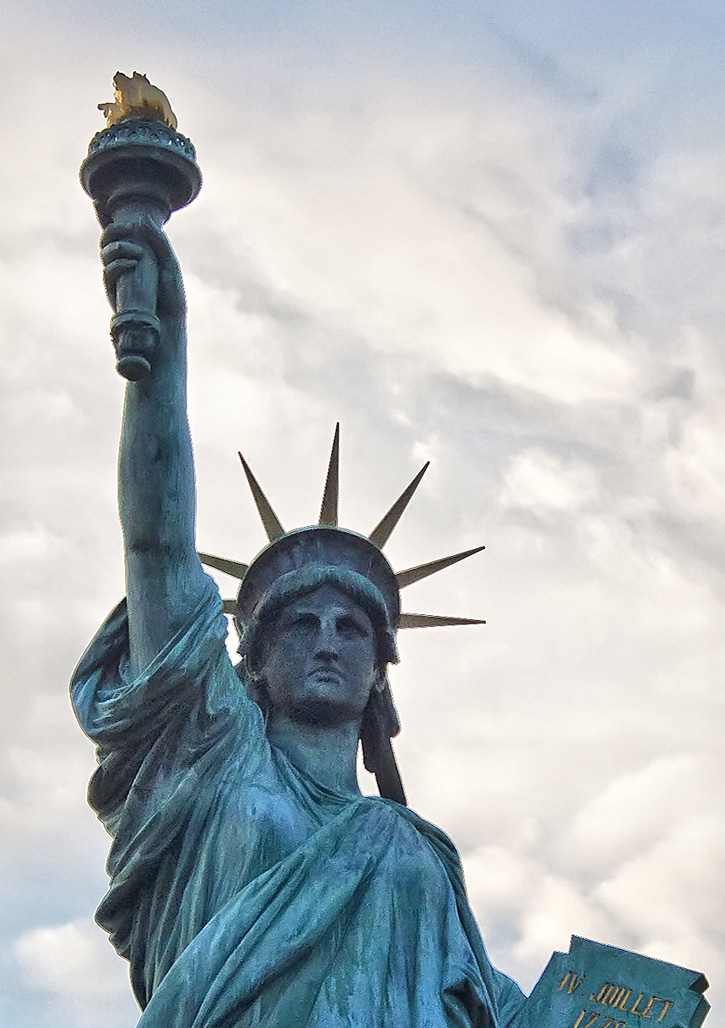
(327, 641)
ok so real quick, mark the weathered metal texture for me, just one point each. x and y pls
(139, 168)
(598, 986)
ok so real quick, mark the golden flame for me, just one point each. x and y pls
(135, 97)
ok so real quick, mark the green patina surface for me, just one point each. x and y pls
(251, 884)
(597, 986)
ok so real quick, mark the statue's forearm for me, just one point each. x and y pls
(156, 467)
(157, 504)
(156, 484)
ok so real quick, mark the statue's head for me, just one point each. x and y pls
(316, 613)
(304, 581)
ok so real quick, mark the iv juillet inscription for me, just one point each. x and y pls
(620, 998)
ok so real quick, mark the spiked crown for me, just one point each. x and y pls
(326, 543)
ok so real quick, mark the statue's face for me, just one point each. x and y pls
(319, 662)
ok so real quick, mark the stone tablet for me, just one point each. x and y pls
(597, 986)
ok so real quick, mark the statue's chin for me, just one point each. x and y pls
(323, 711)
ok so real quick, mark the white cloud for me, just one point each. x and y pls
(669, 895)
(77, 971)
(34, 543)
(545, 484)
(352, 229)
(633, 813)
(512, 272)
(697, 465)
(554, 911)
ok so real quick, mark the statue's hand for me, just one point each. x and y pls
(144, 287)
(127, 247)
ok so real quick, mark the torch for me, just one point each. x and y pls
(138, 166)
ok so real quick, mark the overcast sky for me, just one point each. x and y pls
(486, 234)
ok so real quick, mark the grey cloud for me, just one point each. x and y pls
(549, 742)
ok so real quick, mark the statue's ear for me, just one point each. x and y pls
(256, 689)
(381, 680)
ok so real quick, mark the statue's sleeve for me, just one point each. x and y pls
(169, 720)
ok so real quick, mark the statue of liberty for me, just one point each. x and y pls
(251, 883)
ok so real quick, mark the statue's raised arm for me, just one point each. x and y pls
(139, 170)
(156, 468)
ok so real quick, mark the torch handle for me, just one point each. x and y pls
(139, 167)
(135, 325)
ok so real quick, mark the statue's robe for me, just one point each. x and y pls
(242, 892)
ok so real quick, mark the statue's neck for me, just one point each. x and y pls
(327, 753)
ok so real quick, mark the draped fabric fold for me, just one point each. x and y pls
(242, 892)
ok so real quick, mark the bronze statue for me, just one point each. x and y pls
(251, 883)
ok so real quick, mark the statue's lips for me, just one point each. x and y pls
(325, 674)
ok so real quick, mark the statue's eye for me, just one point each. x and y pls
(351, 627)
(304, 622)
(298, 624)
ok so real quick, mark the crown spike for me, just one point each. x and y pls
(271, 522)
(328, 510)
(384, 529)
(434, 621)
(424, 570)
(229, 567)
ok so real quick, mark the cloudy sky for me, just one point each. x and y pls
(486, 234)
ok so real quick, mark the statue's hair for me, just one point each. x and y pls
(296, 584)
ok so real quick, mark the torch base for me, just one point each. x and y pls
(140, 160)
